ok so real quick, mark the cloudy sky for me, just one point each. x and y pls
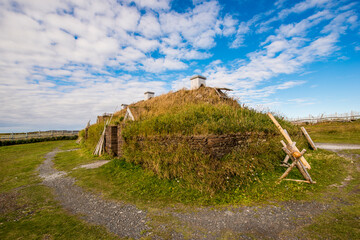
(64, 62)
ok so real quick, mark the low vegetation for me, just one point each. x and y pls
(28, 210)
(335, 132)
(34, 140)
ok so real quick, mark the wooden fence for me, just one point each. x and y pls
(39, 134)
(346, 117)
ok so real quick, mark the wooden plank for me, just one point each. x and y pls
(306, 172)
(288, 139)
(296, 180)
(286, 133)
(308, 138)
(129, 114)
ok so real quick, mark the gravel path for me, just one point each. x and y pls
(93, 165)
(264, 222)
(337, 146)
(124, 220)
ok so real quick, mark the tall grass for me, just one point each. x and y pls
(198, 170)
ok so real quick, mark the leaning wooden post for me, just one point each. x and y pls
(308, 138)
(286, 159)
(288, 139)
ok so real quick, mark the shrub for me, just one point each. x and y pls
(33, 140)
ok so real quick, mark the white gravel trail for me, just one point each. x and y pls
(337, 146)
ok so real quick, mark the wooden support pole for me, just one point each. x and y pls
(287, 171)
(308, 138)
(288, 139)
(286, 159)
(296, 180)
(296, 163)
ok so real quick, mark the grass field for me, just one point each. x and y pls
(335, 132)
(28, 209)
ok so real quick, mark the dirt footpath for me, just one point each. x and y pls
(124, 220)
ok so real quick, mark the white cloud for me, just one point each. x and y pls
(153, 4)
(229, 24)
(160, 64)
(149, 26)
(243, 29)
(196, 26)
(303, 6)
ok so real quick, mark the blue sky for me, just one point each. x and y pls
(65, 62)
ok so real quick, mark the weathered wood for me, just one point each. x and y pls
(306, 172)
(287, 171)
(296, 163)
(297, 180)
(308, 138)
(286, 133)
(99, 149)
(129, 114)
(288, 139)
(286, 159)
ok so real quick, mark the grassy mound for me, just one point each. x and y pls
(200, 112)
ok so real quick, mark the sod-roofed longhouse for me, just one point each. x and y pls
(209, 141)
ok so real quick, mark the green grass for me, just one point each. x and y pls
(28, 209)
(335, 132)
(67, 161)
(342, 221)
(18, 163)
(125, 181)
(353, 151)
(338, 223)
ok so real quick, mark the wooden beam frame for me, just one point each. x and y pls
(288, 139)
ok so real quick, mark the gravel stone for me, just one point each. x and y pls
(337, 146)
(125, 220)
(96, 164)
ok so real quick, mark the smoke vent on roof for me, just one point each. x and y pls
(197, 81)
(149, 95)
